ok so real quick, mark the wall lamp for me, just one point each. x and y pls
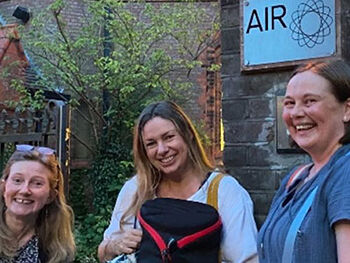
(22, 13)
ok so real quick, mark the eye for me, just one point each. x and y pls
(37, 183)
(16, 180)
(310, 101)
(150, 144)
(169, 136)
(288, 103)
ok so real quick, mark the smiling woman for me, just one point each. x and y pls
(171, 163)
(309, 219)
(36, 222)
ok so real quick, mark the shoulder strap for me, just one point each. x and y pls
(287, 256)
(212, 196)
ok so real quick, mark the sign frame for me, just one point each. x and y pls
(291, 63)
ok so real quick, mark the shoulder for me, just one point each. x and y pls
(129, 188)
(231, 189)
(125, 195)
(337, 174)
(123, 202)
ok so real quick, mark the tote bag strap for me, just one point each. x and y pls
(287, 256)
(212, 196)
(294, 227)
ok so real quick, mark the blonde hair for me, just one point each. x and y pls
(54, 223)
(148, 176)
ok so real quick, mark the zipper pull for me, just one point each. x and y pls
(172, 245)
(166, 253)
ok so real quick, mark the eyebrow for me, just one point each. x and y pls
(22, 174)
(305, 95)
(165, 133)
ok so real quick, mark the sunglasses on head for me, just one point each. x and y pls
(39, 149)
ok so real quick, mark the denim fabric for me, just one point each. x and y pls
(315, 241)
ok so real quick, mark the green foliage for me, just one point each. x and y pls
(119, 60)
(121, 50)
(7, 151)
(93, 193)
(25, 100)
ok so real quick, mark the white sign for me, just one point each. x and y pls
(287, 30)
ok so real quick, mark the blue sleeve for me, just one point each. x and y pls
(338, 197)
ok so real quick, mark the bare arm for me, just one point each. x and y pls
(342, 233)
(122, 242)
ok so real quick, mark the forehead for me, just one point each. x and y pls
(30, 169)
(156, 127)
(308, 82)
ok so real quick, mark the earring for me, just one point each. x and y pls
(345, 119)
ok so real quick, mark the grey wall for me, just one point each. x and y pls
(249, 113)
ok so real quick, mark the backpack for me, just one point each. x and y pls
(181, 231)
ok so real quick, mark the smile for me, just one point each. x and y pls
(168, 159)
(303, 127)
(23, 201)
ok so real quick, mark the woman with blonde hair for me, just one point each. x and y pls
(171, 163)
(36, 222)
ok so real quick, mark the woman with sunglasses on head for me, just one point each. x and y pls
(309, 219)
(171, 163)
(36, 222)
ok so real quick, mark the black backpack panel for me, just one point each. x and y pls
(179, 231)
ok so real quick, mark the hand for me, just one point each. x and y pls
(125, 242)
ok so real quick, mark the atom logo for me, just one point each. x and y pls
(310, 34)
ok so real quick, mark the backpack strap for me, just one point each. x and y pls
(212, 196)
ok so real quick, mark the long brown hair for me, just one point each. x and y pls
(148, 177)
(54, 223)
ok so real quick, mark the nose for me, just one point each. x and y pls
(297, 111)
(25, 189)
(162, 148)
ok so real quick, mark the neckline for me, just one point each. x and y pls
(203, 187)
(203, 183)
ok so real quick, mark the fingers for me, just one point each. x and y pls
(127, 242)
(135, 235)
(131, 240)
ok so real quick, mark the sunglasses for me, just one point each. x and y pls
(39, 149)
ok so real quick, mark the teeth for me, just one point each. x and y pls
(304, 126)
(168, 159)
(23, 201)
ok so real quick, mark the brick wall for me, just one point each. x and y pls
(249, 113)
(12, 59)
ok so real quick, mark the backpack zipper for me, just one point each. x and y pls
(165, 250)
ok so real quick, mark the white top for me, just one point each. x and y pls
(235, 208)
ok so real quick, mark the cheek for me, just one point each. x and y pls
(286, 117)
(7, 193)
(150, 153)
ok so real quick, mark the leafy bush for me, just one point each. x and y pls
(93, 194)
